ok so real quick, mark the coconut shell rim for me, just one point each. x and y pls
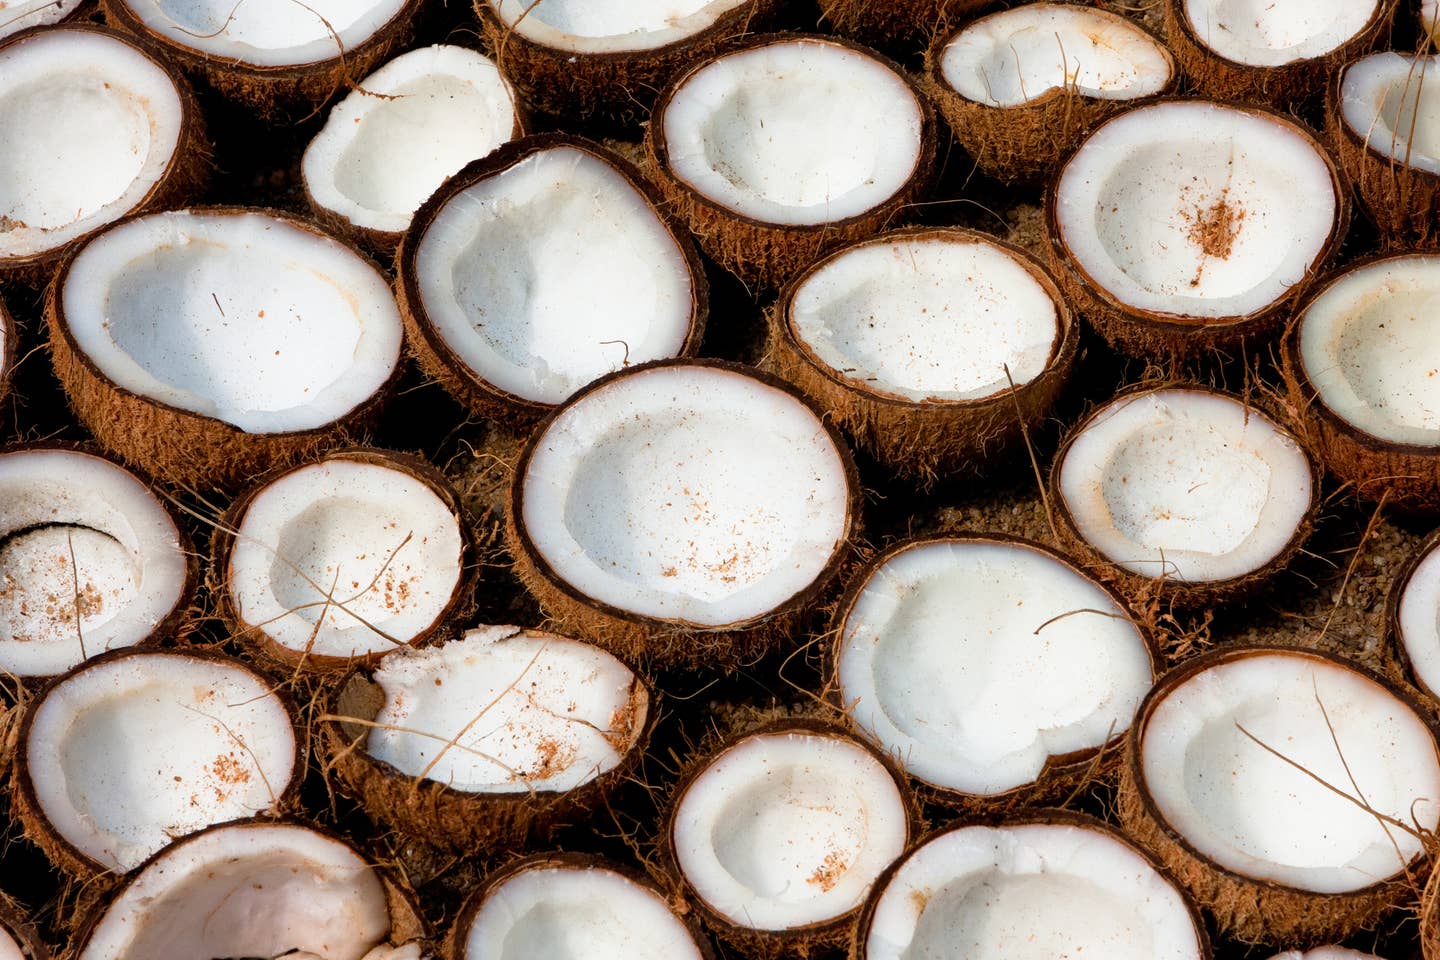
(1341, 127)
(1181, 14)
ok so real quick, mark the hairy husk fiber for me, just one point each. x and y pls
(13, 922)
(894, 23)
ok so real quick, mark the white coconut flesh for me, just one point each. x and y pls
(16, 15)
(241, 317)
(89, 560)
(127, 755)
(1392, 102)
(1029, 892)
(1186, 485)
(1419, 620)
(796, 133)
(552, 273)
(1370, 347)
(974, 662)
(502, 711)
(1020, 55)
(1204, 762)
(687, 493)
(389, 144)
(248, 890)
(10, 948)
(575, 913)
(1271, 33)
(787, 830)
(928, 318)
(343, 558)
(587, 27)
(88, 126)
(1195, 209)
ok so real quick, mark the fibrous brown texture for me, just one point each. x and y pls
(13, 921)
(892, 23)
(9, 347)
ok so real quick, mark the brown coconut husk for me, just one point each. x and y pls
(182, 181)
(891, 24)
(9, 349)
(182, 448)
(1248, 909)
(1430, 918)
(765, 255)
(436, 357)
(15, 922)
(924, 440)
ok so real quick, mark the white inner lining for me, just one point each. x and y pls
(1268, 33)
(1419, 617)
(1393, 103)
(584, 26)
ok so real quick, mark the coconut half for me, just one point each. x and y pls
(1019, 88)
(92, 128)
(683, 513)
(1186, 227)
(1220, 782)
(1413, 615)
(485, 741)
(787, 146)
(1050, 884)
(1185, 491)
(90, 560)
(211, 345)
(934, 348)
(545, 266)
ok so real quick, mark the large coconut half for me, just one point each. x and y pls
(684, 513)
(92, 127)
(90, 560)
(534, 271)
(211, 345)
(1223, 782)
(486, 741)
(1186, 227)
(786, 146)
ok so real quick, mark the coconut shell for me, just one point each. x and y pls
(892, 24)
(14, 921)
(437, 358)
(764, 255)
(924, 440)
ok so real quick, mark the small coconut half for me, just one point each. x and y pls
(787, 146)
(486, 741)
(1413, 616)
(209, 346)
(1186, 227)
(1222, 782)
(682, 513)
(16, 15)
(1019, 88)
(92, 128)
(1183, 491)
(895, 23)
(1045, 885)
(537, 270)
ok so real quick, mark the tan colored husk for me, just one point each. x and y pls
(182, 181)
(894, 23)
(765, 255)
(1430, 918)
(1216, 76)
(13, 920)
(182, 448)
(666, 644)
(428, 346)
(924, 440)
(1247, 909)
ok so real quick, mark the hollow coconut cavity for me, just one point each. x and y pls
(90, 560)
(125, 754)
(1057, 886)
(531, 274)
(1415, 616)
(16, 15)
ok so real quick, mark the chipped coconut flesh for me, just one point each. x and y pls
(1194, 209)
(1255, 814)
(382, 539)
(585, 26)
(16, 15)
(1270, 33)
(1186, 485)
(787, 830)
(687, 493)
(959, 658)
(389, 144)
(128, 755)
(525, 276)
(797, 133)
(575, 913)
(240, 317)
(928, 319)
(1419, 620)
(88, 126)
(79, 536)
(558, 713)
(1020, 55)
(1392, 102)
(247, 890)
(1029, 892)
(1370, 346)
